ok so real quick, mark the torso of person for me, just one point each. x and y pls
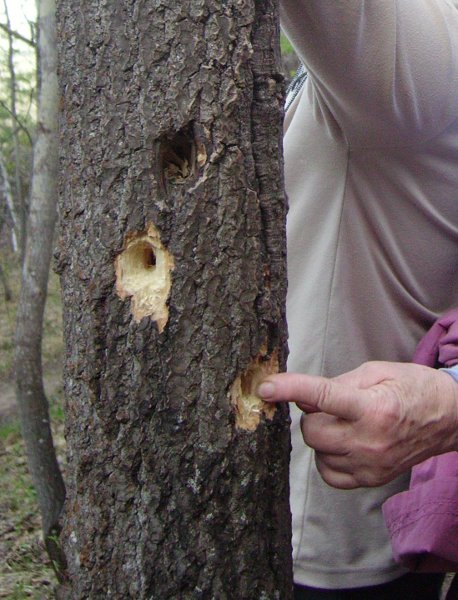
(371, 167)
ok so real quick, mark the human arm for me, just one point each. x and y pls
(383, 70)
(423, 520)
(373, 423)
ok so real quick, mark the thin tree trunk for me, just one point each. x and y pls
(16, 119)
(8, 294)
(5, 191)
(32, 401)
(18, 195)
(172, 254)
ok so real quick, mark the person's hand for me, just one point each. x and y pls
(370, 425)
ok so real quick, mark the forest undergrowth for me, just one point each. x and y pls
(25, 570)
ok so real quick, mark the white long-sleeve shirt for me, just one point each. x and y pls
(371, 162)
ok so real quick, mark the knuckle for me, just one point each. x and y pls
(370, 366)
(390, 416)
(367, 366)
(323, 393)
(376, 474)
(387, 408)
(377, 451)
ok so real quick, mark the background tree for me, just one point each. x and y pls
(172, 254)
(16, 101)
(30, 394)
(9, 217)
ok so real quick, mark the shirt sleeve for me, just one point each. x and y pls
(453, 371)
(384, 70)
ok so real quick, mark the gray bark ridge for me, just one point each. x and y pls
(172, 255)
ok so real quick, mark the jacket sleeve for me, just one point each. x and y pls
(423, 521)
(384, 70)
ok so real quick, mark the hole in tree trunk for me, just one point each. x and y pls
(248, 407)
(149, 257)
(180, 156)
(143, 273)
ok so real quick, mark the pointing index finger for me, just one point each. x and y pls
(314, 393)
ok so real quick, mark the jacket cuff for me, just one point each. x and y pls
(423, 526)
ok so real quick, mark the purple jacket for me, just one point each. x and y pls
(423, 521)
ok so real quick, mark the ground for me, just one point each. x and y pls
(25, 571)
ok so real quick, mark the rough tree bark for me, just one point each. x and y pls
(32, 401)
(172, 255)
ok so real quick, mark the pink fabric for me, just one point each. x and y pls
(423, 521)
(439, 347)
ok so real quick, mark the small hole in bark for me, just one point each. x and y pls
(178, 156)
(247, 382)
(143, 273)
(248, 406)
(139, 257)
(149, 257)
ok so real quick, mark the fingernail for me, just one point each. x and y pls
(266, 390)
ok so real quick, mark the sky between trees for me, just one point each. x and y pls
(19, 13)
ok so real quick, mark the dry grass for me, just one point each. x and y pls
(25, 570)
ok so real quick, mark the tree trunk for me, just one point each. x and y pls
(5, 192)
(20, 208)
(7, 293)
(172, 255)
(32, 401)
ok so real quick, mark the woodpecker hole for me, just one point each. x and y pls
(143, 273)
(181, 155)
(249, 408)
(149, 257)
(178, 156)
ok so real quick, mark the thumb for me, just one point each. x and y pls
(314, 394)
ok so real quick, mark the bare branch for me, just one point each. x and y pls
(17, 35)
(17, 121)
